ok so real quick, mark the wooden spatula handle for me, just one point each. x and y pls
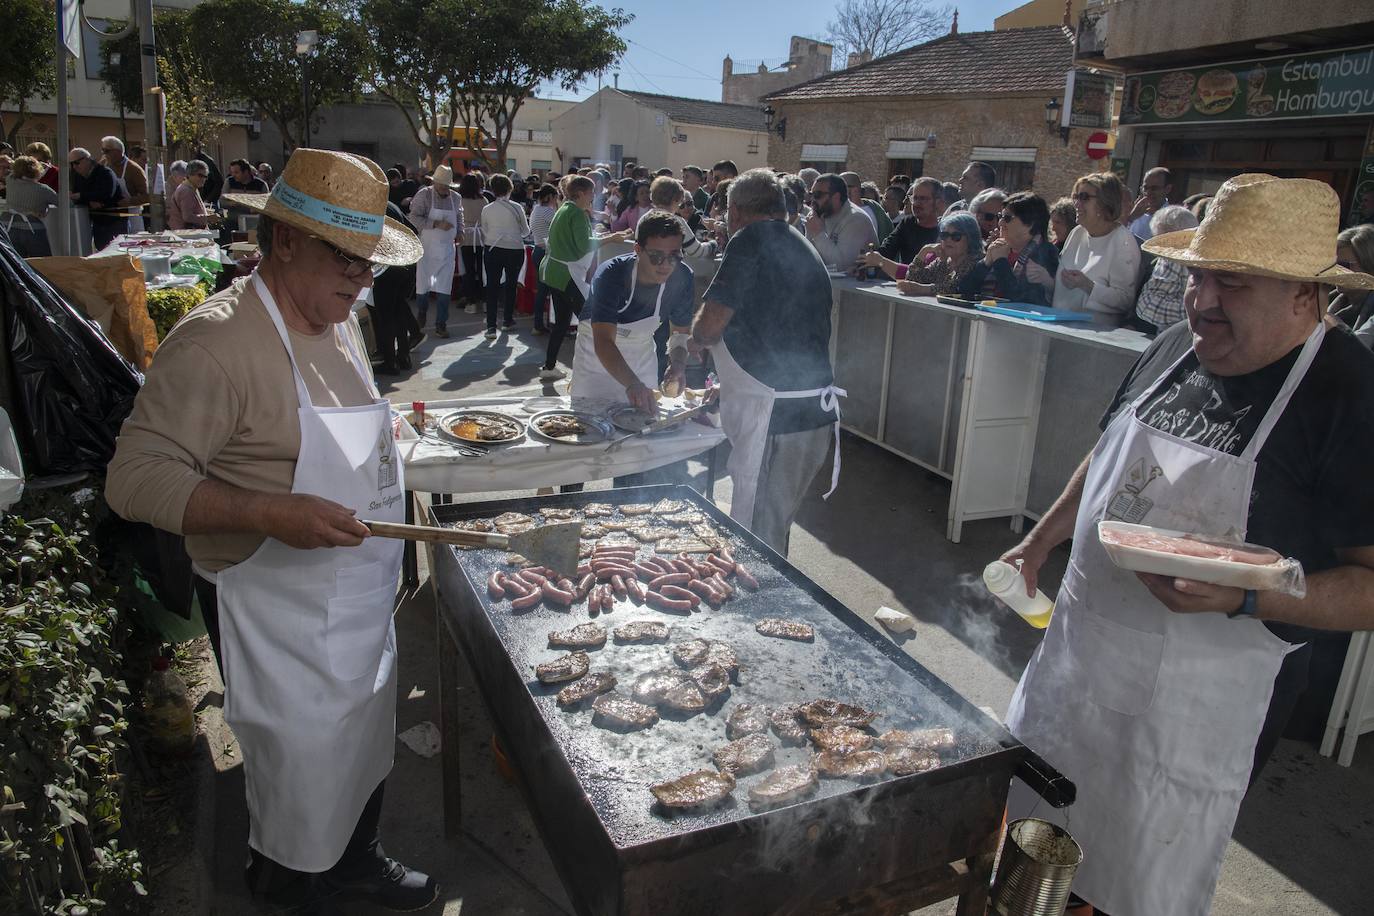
(437, 535)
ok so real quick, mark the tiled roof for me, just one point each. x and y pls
(969, 63)
(701, 111)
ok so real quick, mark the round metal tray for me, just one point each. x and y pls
(599, 430)
(543, 403)
(632, 420)
(447, 423)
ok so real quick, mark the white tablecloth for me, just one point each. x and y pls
(433, 465)
(212, 251)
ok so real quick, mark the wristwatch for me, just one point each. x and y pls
(1248, 606)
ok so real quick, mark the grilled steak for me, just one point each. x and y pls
(922, 739)
(858, 765)
(593, 530)
(559, 515)
(636, 508)
(711, 679)
(614, 711)
(676, 545)
(647, 533)
(651, 688)
(783, 785)
(641, 631)
(787, 724)
(512, 522)
(820, 713)
(597, 510)
(686, 517)
(594, 684)
(746, 719)
(904, 761)
(568, 667)
(695, 790)
(684, 696)
(786, 629)
(667, 506)
(582, 636)
(841, 739)
(749, 754)
(691, 653)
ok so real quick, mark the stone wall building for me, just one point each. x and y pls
(807, 59)
(932, 108)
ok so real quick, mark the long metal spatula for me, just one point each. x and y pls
(670, 420)
(554, 545)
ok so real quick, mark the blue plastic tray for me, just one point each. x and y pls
(1035, 312)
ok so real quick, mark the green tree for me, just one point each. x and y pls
(469, 63)
(194, 101)
(124, 81)
(27, 39)
(248, 48)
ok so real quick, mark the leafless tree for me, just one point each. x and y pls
(880, 27)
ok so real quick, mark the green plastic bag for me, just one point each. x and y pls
(192, 266)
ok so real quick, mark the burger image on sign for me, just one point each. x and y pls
(1175, 94)
(1216, 90)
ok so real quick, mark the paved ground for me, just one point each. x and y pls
(1303, 844)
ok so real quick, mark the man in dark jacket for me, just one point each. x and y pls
(95, 187)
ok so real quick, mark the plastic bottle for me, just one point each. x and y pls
(872, 273)
(1007, 585)
(167, 710)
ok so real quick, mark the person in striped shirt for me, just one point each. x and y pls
(541, 217)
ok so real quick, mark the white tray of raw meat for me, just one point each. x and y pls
(1140, 548)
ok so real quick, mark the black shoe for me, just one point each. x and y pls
(417, 339)
(440, 331)
(386, 883)
(283, 891)
(403, 362)
(384, 369)
(509, 325)
(539, 330)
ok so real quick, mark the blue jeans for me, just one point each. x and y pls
(440, 308)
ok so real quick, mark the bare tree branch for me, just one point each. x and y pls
(880, 27)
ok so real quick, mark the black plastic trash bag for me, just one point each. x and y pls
(71, 388)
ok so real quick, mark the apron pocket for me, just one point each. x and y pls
(1120, 664)
(356, 631)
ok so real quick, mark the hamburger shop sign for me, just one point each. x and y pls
(1323, 84)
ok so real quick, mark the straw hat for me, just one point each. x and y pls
(1274, 227)
(342, 199)
(443, 176)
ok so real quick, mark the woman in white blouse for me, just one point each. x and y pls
(1098, 266)
(504, 228)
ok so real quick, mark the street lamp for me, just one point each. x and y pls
(306, 40)
(1052, 124)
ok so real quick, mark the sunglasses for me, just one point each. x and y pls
(1005, 217)
(354, 268)
(1083, 198)
(1348, 265)
(659, 258)
(989, 217)
(952, 236)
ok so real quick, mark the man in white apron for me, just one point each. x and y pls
(261, 437)
(766, 321)
(631, 296)
(436, 215)
(131, 179)
(1150, 692)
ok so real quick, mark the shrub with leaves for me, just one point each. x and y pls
(62, 715)
(166, 306)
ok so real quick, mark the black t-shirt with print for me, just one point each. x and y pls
(1312, 492)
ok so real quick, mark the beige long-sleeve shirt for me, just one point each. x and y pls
(219, 403)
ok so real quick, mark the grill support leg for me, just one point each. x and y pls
(448, 726)
(974, 901)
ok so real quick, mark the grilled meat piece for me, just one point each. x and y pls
(685, 696)
(695, 790)
(597, 510)
(560, 425)
(676, 545)
(859, 765)
(594, 684)
(641, 631)
(904, 761)
(558, 515)
(711, 679)
(647, 533)
(688, 516)
(592, 531)
(615, 711)
(746, 719)
(471, 524)
(652, 687)
(783, 785)
(636, 508)
(667, 506)
(820, 713)
(779, 628)
(787, 724)
(568, 667)
(841, 739)
(512, 522)
(750, 754)
(582, 636)
(921, 739)
(695, 652)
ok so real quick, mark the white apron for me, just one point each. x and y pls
(434, 273)
(1153, 715)
(578, 269)
(746, 406)
(135, 220)
(634, 339)
(309, 649)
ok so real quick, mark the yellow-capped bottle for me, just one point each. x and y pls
(1007, 585)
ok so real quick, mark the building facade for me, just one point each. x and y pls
(1238, 86)
(373, 127)
(807, 59)
(618, 127)
(932, 108)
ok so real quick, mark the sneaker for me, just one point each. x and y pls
(417, 339)
(441, 332)
(470, 309)
(508, 326)
(386, 883)
(539, 331)
(552, 375)
(491, 334)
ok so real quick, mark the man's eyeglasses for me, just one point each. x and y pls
(1083, 197)
(659, 258)
(1348, 265)
(989, 217)
(354, 268)
(951, 236)
(1005, 217)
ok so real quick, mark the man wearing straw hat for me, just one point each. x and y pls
(260, 436)
(1248, 421)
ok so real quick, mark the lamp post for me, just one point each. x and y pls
(1052, 123)
(306, 40)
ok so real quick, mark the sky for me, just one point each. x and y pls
(676, 48)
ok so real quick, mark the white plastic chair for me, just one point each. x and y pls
(1353, 706)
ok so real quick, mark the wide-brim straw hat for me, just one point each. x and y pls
(1274, 227)
(341, 198)
(443, 176)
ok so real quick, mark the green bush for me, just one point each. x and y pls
(62, 717)
(166, 306)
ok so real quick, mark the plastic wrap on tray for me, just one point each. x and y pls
(1218, 561)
